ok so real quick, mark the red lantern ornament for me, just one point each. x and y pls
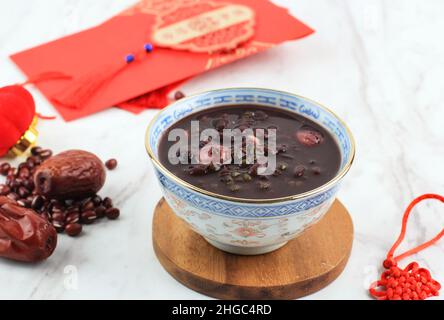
(17, 120)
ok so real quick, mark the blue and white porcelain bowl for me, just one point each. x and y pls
(248, 226)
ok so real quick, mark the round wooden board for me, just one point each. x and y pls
(303, 266)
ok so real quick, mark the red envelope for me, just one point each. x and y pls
(145, 82)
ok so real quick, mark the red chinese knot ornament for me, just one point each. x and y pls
(17, 120)
(412, 282)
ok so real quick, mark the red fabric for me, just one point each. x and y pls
(17, 111)
(412, 282)
(107, 44)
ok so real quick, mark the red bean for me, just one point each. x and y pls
(37, 202)
(88, 206)
(72, 217)
(73, 229)
(179, 95)
(112, 213)
(24, 172)
(100, 211)
(58, 221)
(111, 164)
(23, 192)
(299, 171)
(35, 151)
(107, 202)
(88, 217)
(4, 169)
(45, 154)
(97, 200)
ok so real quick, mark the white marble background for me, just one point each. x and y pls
(378, 64)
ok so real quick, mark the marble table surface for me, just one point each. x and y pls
(378, 64)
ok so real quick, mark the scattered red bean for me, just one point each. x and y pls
(111, 164)
(107, 202)
(88, 206)
(45, 154)
(37, 202)
(58, 220)
(100, 211)
(112, 213)
(73, 229)
(4, 169)
(88, 217)
(24, 173)
(97, 200)
(35, 151)
(72, 217)
(179, 95)
(23, 192)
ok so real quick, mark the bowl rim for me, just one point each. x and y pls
(306, 194)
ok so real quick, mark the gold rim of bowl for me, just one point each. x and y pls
(187, 185)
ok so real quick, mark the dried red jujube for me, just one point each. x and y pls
(71, 174)
(24, 235)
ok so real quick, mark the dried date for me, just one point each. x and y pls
(72, 174)
(24, 235)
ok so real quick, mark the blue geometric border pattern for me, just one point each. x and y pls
(250, 96)
(244, 210)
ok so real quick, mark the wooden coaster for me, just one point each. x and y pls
(303, 266)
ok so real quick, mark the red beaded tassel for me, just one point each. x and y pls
(412, 282)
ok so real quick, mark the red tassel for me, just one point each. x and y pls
(46, 76)
(412, 282)
(79, 91)
(41, 77)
